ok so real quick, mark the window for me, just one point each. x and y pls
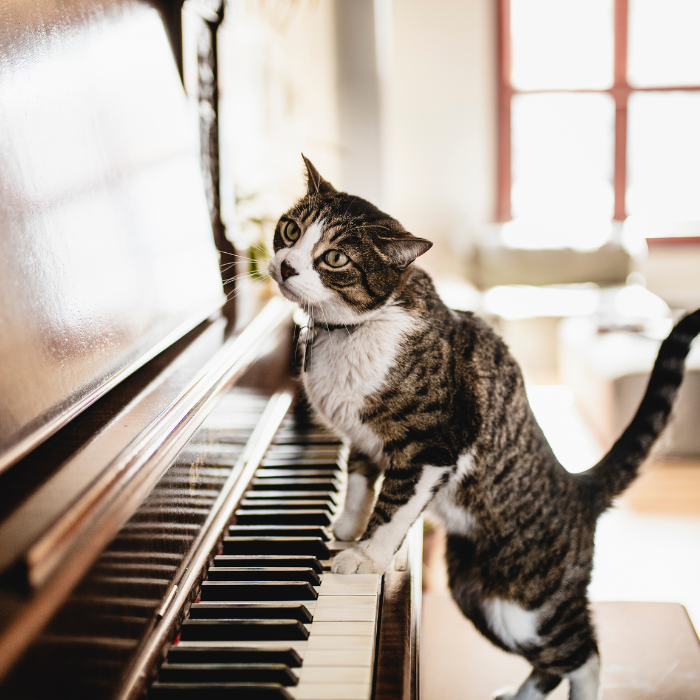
(599, 115)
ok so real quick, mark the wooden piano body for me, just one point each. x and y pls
(140, 410)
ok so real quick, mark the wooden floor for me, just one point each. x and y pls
(666, 488)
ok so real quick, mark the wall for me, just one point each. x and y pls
(279, 98)
(440, 124)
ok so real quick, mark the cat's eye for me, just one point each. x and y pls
(336, 258)
(291, 230)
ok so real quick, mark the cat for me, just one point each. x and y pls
(432, 400)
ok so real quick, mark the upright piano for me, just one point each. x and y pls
(165, 497)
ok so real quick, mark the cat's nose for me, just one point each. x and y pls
(287, 270)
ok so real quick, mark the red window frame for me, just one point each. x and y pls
(619, 91)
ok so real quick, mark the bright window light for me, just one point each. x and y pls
(664, 153)
(664, 43)
(563, 156)
(566, 44)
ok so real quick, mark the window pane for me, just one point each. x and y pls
(663, 159)
(565, 44)
(664, 43)
(563, 156)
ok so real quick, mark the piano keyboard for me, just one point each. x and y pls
(271, 620)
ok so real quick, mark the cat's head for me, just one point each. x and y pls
(338, 256)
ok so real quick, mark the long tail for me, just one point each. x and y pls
(618, 468)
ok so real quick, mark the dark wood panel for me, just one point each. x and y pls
(106, 252)
(397, 667)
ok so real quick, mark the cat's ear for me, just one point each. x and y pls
(315, 183)
(402, 251)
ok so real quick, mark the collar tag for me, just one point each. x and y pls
(308, 344)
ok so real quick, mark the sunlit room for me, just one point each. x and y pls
(549, 149)
(543, 160)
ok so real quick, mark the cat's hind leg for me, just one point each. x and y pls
(536, 687)
(585, 680)
(359, 497)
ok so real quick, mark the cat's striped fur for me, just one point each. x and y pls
(432, 399)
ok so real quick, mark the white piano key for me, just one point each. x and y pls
(365, 613)
(361, 642)
(346, 601)
(337, 546)
(340, 691)
(299, 647)
(351, 581)
(335, 657)
(310, 605)
(343, 629)
(351, 584)
(335, 589)
(335, 674)
(326, 602)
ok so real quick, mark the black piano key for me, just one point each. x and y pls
(286, 531)
(227, 655)
(260, 516)
(218, 691)
(299, 475)
(267, 560)
(292, 503)
(291, 436)
(227, 673)
(257, 496)
(218, 630)
(309, 546)
(250, 611)
(257, 590)
(329, 453)
(311, 463)
(225, 573)
(289, 504)
(270, 483)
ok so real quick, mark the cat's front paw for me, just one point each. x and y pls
(348, 527)
(508, 693)
(354, 561)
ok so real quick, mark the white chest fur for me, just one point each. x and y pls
(348, 367)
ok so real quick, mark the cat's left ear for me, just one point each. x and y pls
(315, 183)
(403, 251)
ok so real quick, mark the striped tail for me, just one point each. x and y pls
(618, 468)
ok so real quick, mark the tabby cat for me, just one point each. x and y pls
(431, 399)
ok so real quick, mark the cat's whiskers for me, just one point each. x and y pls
(257, 246)
(235, 255)
(347, 330)
(253, 275)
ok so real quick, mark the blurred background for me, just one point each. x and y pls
(550, 150)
